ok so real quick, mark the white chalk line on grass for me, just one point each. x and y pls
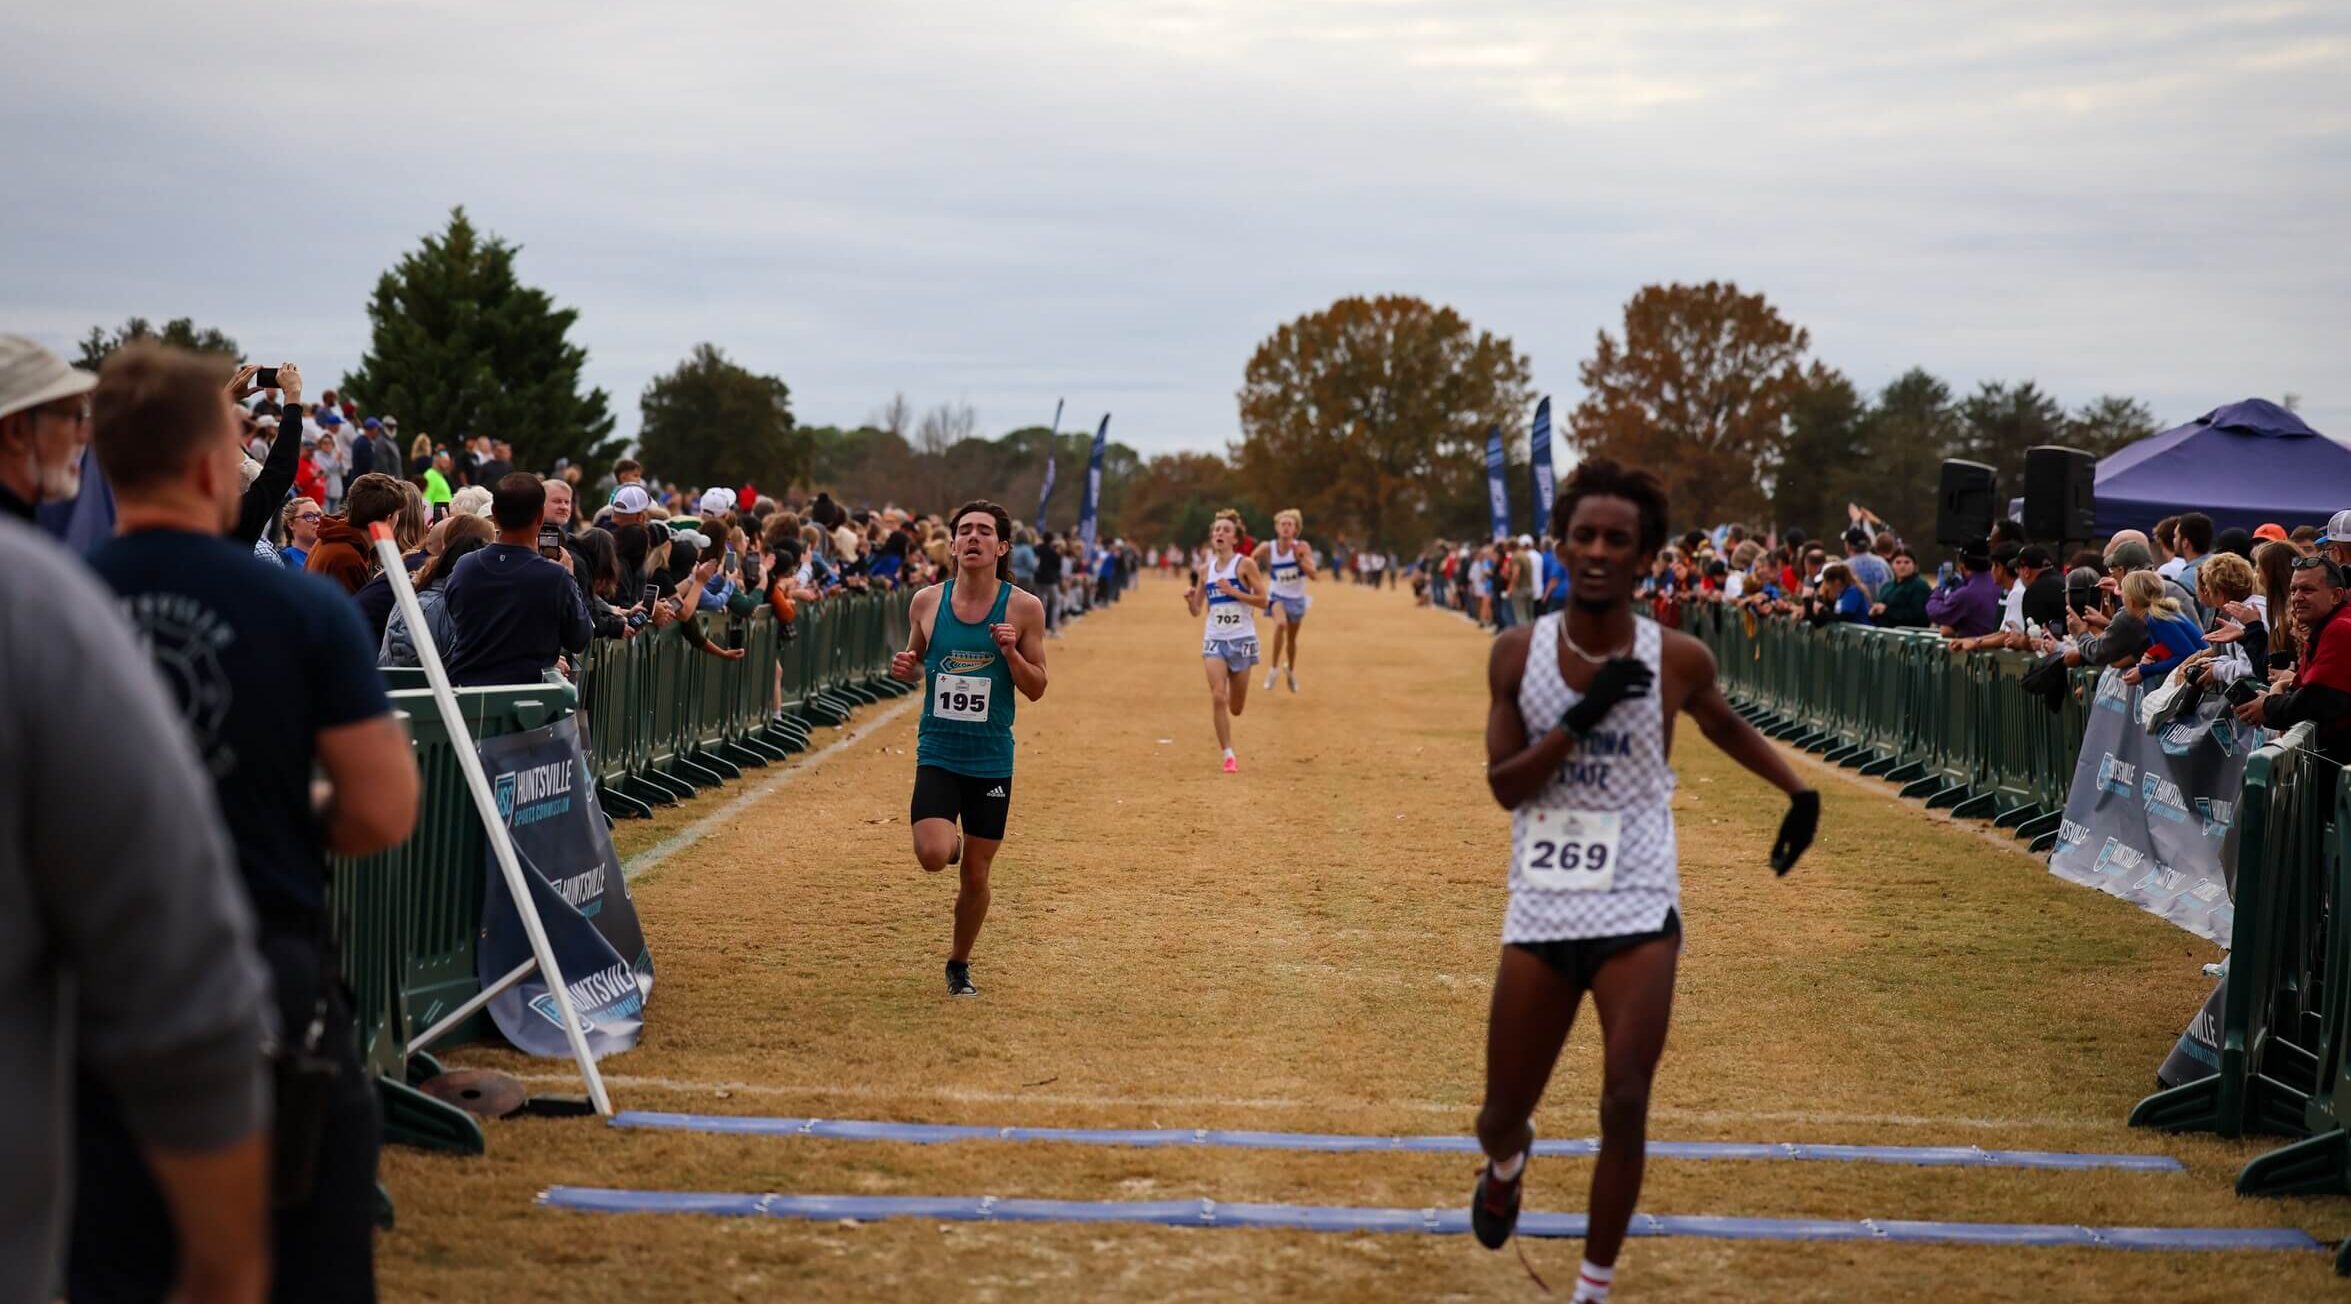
(651, 857)
(970, 1095)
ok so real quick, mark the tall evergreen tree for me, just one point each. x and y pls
(1909, 431)
(179, 332)
(2003, 421)
(1820, 462)
(2110, 424)
(463, 347)
(713, 421)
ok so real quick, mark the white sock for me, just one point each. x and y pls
(1592, 1282)
(1509, 1169)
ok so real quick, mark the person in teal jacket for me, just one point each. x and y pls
(976, 640)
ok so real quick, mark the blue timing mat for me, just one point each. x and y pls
(841, 1129)
(1442, 1222)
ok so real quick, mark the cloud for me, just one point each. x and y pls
(1009, 203)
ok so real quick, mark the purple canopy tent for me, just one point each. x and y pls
(2241, 465)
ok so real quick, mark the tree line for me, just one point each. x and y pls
(1369, 415)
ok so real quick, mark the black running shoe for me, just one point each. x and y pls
(1493, 1207)
(959, 984)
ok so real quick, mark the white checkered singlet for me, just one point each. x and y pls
(1631, 779)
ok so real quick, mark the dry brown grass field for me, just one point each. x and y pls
(1308, 946)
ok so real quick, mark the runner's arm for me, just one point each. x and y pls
(1515, 769)
(1306, 566)
(1022, 640)
(1246, 589)
(906, 666)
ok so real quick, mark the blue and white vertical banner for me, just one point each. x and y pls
(547, 798)
(1545, 486)
(2152, 818)
(1051, 444)
(1496, 492)
(1092, 506)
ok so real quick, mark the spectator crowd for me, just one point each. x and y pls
(182, 1054)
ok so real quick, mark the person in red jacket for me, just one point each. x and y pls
(309, 481)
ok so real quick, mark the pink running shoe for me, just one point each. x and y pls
(1232, 765)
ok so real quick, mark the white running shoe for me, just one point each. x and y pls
(1269, 680)
(1293, 677)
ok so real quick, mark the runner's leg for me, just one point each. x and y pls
(1534, 1006)
(1220, 700)
(971, 897)
(1633, 993)
(1240, 697)
(1281, 626)
(934, 843)
(1294, 627)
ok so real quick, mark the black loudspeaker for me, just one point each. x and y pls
(1968, 502)
(2060, 494)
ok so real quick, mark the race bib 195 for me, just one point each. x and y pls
(1570, 850)
(961, 697)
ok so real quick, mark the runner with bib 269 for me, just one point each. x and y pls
(976, 638)
(1577, 739)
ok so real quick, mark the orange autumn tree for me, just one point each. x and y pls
(1698, 390)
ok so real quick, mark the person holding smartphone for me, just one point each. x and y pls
(513, 610)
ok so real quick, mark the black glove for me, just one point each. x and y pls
(1619, 679)
(1796, 831)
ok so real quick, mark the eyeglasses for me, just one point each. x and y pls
(78, 415)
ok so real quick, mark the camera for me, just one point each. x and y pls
(550, 541)
(2244, 690)
(266, 378)
(645, 603)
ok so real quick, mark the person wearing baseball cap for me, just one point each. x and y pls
(44, 426)
(630, 502)
(2335, 543)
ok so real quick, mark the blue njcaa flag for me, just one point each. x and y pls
(546, 796)
(1050, 442)
(1092, 506)
(1495, 491)
(1544, 486)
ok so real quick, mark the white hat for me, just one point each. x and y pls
(700, 540)
(2338, 527)
(716, 500)
(266, 422)
(1526, 541)
(472, 500)
(631, 498)
(31, 375)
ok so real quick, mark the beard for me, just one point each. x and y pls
(60, 483)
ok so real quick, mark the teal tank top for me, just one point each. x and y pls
(967, 705)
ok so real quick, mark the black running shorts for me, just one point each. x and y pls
(1579, 959)
(980, 805)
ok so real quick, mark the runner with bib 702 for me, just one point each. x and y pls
(1577, 740)
(976, 639)
(1230, 594)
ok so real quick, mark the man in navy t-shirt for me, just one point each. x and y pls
(513, 611)
(276, 680)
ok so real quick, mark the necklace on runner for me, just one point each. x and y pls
(1572, 646)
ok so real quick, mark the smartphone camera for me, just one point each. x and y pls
(550, 541)
(266, 378)
(2243, 691)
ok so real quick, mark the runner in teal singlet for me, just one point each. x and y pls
(975, 640)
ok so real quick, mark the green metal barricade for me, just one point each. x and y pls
(408, 917)
(2269, 1058)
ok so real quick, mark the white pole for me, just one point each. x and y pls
(473, 1003)
(501, 841)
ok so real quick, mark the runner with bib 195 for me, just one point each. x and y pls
(1230, 593)
(976, 638)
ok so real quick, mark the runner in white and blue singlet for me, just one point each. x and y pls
(1229, 594)
(1288, 563)
(1577, 739)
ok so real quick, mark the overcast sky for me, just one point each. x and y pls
(1005, 203)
